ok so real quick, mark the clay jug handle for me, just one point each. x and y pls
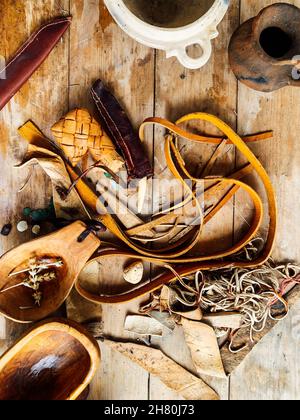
(295, 76)
(189, 62)
(294, 82)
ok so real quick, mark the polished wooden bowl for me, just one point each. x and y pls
(17, 304)
(57, 360)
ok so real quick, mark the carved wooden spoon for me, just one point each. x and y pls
(62, 256)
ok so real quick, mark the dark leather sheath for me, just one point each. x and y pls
(117, 124)
(29, 57)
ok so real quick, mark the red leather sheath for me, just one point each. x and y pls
(118, 126)
(29, 57)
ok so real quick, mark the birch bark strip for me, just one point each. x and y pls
(170, 373)
(202, 342)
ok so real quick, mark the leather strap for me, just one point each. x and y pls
(175, 257)
(182, 264)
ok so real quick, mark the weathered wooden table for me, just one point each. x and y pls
(148, 85)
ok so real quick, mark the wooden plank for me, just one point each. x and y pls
(211, 89)
(42, 99)
(271, 370)
(174, 346)
(99, 49)
(233, 361)
(118, 378)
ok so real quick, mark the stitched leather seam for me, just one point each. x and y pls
(31, 40)
(121, 137)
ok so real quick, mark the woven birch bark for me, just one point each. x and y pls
(78, 133)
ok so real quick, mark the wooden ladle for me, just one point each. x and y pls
(17, 303)
(57, 360)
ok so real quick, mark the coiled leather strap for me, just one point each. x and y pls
(183, 264)
(175, 257)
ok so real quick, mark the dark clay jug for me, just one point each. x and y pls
(264, 52)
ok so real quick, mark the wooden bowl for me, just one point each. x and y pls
(57, 360)
(17, 304)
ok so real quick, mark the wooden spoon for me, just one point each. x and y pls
(16, 302)
(57, 360)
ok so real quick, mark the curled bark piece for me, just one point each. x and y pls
(143, 325)
(117, 124)
(174, 376)
(193, 315)
(232, 320)
(164, 298)
(202, 342)
(55, 168)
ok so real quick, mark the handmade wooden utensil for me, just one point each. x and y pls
(16, 300)
(56, 360)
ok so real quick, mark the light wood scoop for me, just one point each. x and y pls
(17, 303)
(56, 360)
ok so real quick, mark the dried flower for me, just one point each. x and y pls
(35, 268)
(38, 273)
(37, 296)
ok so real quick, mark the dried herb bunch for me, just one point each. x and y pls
(36, 272)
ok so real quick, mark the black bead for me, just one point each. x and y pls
(6, 230)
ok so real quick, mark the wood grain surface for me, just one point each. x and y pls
(44, 98)
(147, 84)
(271, 371)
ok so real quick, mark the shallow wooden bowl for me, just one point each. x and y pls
(62, 244)
(57, 360)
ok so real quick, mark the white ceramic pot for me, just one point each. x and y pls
(173, 40)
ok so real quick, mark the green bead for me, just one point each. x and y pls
(27, 211)
(39, 215)
(108, 175)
